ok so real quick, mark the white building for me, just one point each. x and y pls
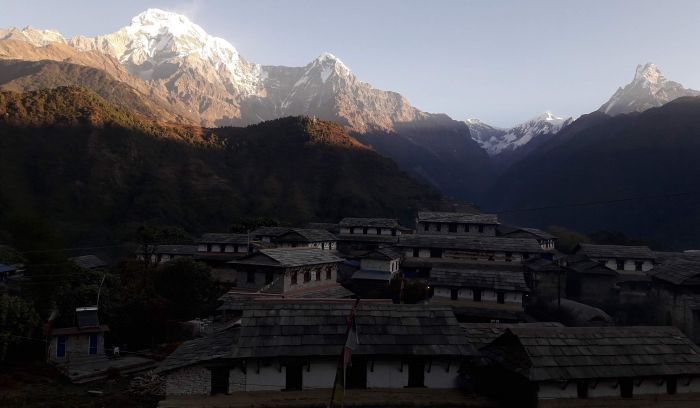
(620, 257)
(296, 345)
(454, 223)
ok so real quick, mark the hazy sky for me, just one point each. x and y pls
(500, 61)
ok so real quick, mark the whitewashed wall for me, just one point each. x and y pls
(439, 375)
(386, 374)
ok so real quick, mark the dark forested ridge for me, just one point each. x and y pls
(95, 170)
(654, 153)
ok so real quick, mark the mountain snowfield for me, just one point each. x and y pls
(648, 89)
(169, 51)
(497, 140)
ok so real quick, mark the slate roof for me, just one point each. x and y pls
(220, 344)
(318, 329)
(583, 264)
(682, 269)
(386, 253)
(176, 249)
(372, 275)
(465, 218)
(382, 239)
(582, 313)
(217, 238)
(570, 353)
(269, 231)
(471, 243)
(306, 235)
(481, 334)
(542, 265)
(369, 222)
(88, 262)
(475, 277)
(616, 251)
(291, 257)
(335, 291)
(505, 230)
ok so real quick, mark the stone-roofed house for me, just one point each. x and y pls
(268, 234)
(574, 362)
(482, 334)
(306, 237)
(590, 281)
(547, 241)
(166, 253)
(675, 292)
(619, 257)
(217, 249)
(456, 223)
(377, 268)
(423, 252)
(81, 342)
(545, 278)
(479, 286)
(296, 345)
(363, 234)
(283, 270)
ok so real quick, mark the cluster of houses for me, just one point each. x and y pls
(493, 295)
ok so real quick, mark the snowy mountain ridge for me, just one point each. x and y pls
(497, 140)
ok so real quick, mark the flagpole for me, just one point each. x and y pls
(341, 360)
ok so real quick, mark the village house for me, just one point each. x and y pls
(282, 270)
(81, 342)
(268, 234)
(675, 292)
(166, 253)
(296, 346)
(590, 281)
(363, 234)
(454, 223)
(376, 270)
(306, 237)
(481, 335)
(546, 240)
(575, 362)
(422, 252)
(546, 279)
(217, 249)
(619, 257)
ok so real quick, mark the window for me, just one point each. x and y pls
(251, 277)
(439, 227)
(477, 295)
(452, 228)
(436, 253)
(318, 275)
(61, 346)
(626, 387)
(509, 256)
(454, 294)
(671, 385)
(416, 252)
(638, 265)
(426, 226)
(364, 230)
(620, 265)
(294, 278)
(501, 298)
(481, 228)
(307, 276)
(379, 231)
(92, 347)
(582, 389)
(352, 230)
(329, 273)
(393, 232)
(269, 277)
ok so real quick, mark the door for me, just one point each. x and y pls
(92, 348)
(295, 375)
(416, 374)
(356, 374)
(219, 380)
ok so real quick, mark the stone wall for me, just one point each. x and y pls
(194, 380)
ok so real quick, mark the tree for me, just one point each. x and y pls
(19, 322)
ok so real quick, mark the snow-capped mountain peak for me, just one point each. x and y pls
(495, 140)
(648, 89)
(32, 35)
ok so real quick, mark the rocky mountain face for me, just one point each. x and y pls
(496, 140)
(205, 81)
(648, 89)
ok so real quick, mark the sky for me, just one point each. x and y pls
(499, 61)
